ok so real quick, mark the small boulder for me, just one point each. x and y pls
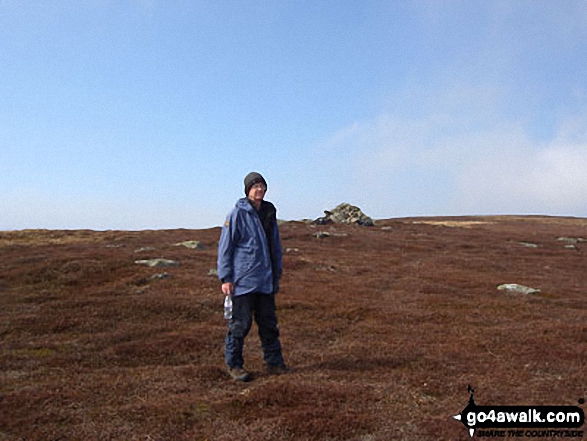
(528, 244)
(514, 287)
(322, 235)
(160, 276)
(571, 243)
(192, 244)
(571, 240)
(158, 263)
(143, 249)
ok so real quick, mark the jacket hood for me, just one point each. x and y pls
(244, 204)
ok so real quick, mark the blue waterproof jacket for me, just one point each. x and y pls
(246, 256)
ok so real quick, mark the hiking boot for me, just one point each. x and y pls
(239, 374)
(279, 370)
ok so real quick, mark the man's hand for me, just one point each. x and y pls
(228, 288)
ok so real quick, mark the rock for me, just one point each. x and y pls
(329, 268)
(514, 287)
(213, 272)
(292, 250)
(192, 244)
(528, 244)
(345, 214)
(321, 234)
(158, 263)
(142, 249)
(160, 276)
(571, 240)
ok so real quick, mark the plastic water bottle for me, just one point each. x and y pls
(228, 307)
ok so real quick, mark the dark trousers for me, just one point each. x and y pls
(262, 308)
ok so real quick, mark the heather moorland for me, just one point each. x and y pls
(384, 326)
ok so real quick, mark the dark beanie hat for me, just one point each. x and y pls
(252, 179)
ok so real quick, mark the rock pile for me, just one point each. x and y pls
(345, 214)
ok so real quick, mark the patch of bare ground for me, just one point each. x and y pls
(385, 327)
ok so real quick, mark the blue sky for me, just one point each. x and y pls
(140, 114)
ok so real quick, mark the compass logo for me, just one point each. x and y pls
(476, 417)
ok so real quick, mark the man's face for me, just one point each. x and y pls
(257, 192)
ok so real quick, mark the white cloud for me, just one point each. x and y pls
(440, 165)
(548, 180)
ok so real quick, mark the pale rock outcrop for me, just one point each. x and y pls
(345, 214)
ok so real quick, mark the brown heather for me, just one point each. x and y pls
(385, 328)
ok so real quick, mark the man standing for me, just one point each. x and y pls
(249, 267)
